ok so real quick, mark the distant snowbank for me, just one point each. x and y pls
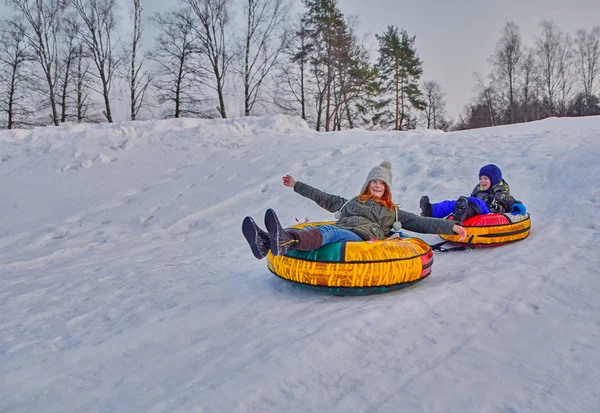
(75, 146)
(244, 126)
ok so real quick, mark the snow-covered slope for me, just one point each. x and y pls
(126, 286)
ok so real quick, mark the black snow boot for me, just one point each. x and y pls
(281, 240)
(460, 209)
(465, 209)
(472, 210)
(425, 206)
(258, 239)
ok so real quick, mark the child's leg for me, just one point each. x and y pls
(442, 209)
(425, 206)
(332, 233)
(258, 239)
(483, 208)
(282, 240)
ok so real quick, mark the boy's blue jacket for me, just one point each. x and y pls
(497, 198)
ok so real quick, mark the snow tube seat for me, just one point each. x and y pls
(491, 230)
(356, 267)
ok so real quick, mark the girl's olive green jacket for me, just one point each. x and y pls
(371, 220)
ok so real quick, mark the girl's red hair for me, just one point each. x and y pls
(385, 200)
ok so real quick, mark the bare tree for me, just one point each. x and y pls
(14, 57)
(80, 81)
(178, 76)
(68, 59)
(588, 57)
(44, 18)
(565, 74)
(265, 39)
(291, 86)
(99, 25)
(480, 114)
(506, 61)
(529, 88)
(548, 50)
(211, 31)
(138, 79)
(435, 112)
(83, 80)
(487, 101)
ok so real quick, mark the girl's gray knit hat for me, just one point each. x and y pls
(383, 173)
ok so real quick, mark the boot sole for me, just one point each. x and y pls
(423, 202)
(274, 228)
(460, 210)
(252, 234)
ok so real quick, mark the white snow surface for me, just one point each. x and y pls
(126, 284)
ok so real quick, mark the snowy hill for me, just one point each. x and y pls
(126, 286)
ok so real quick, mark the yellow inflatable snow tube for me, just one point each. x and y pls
(491, 230)
(356, 267)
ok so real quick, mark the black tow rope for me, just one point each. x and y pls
(439, 245)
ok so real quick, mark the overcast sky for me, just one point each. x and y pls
(453, 38)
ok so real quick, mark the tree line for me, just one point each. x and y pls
(555, 76)
(67, 61)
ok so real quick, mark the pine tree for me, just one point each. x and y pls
(356, 82)
(400, 69)
(300, 59)
(327, 25)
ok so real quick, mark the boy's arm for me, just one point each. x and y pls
(503, 198)
(326, 201)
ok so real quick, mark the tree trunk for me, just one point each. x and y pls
(220, 93)
(302, 97)
(63, 116)
(132, 86)
(396, 112)
(52, 96)
(10, 102)
(328, 99)
(178, 88)
(247, 61)
(106, 97)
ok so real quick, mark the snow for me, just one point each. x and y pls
(126, 285)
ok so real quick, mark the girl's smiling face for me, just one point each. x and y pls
(484, 182)
(377, 188)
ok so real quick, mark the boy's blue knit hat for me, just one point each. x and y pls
(492, 172)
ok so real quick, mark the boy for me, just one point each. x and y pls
(492, 195)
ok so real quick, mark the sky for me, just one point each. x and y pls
(454, 39)
(126, 285)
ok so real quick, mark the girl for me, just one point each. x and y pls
(368, 216)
